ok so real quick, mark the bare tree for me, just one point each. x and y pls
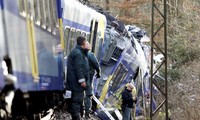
(107, 3)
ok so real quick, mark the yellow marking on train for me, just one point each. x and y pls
(101, 27)
(61, 33)
(105, 89)
(101, 30)
(32, 45)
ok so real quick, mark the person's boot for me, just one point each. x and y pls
(76, 118)
(82, 111)
(87, 115)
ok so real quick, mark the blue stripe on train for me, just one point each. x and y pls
(59, 9)
(1, 4)
(76, 25)
(11, 6)
(46, 83)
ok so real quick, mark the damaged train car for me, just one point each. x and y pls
(125, 59)
(45, 32)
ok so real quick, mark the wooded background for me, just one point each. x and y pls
(183, 47)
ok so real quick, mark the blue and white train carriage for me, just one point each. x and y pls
(121, 51)
(39, 34)
(35, 43)
(78, 19)
(30, 38)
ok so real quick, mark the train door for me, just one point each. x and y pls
(97, 30)
(100, 36)
(93, 30)
(49, 50)
(83, 33)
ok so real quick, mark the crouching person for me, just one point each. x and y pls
(127, 102)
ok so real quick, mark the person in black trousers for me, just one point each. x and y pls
(94, 67)
(77, 76)
(127, 102)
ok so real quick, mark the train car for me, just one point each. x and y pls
(30, 47)
(125, 58)
(37, 48)
(33, 46)
(78, 19)
(122, 54)
(40, 34)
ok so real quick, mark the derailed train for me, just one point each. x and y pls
(38, 35)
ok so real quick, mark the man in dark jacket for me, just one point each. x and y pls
(94, 66)
(127, 102)
(77, 76)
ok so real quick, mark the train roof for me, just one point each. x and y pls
(110, 18)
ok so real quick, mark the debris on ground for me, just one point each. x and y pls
(64, 115)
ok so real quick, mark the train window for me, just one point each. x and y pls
(113, 53)
(22, 8)
(37, 12)
(43, 14)
(66, 37)
(119, 75)
(54, 21)
(78, 33)
(88, 37)
(48, 15)
(26, 7)
(30, 11)
(72, 39)
(83, 33)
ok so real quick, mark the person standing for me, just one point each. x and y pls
(94, 66)
(127, 102)
(77, 76)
